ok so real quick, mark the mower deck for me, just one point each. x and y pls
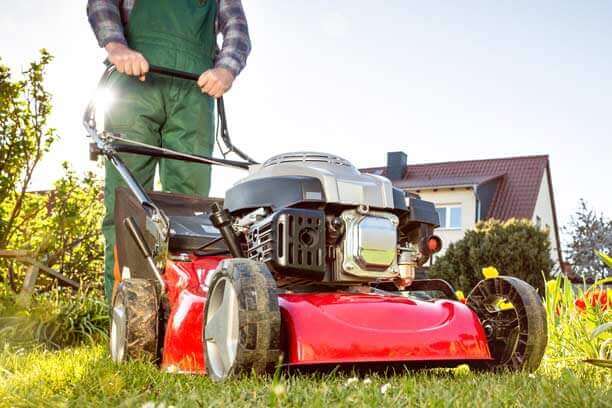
(330, 328)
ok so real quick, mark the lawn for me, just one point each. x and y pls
(33, 374)
(84, 376)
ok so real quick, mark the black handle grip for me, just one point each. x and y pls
(130, 224)
(173, 73)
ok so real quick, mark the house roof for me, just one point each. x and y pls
(518, 181)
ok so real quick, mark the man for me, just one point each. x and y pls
(162, 111)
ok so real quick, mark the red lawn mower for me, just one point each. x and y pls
(307, 262)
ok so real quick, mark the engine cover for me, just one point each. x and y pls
(294, 178)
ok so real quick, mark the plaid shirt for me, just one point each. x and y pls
(109, 17)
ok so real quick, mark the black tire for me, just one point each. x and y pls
(136, 335)
(517, 336)
(258, 319)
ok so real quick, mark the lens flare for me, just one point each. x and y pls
(104, 99)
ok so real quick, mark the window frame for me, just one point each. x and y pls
(448, 209)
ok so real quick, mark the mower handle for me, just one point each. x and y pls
(173, 73)
(89, 117)
(109, 145)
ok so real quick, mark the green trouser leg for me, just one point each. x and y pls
(189, 128)
(160, 112)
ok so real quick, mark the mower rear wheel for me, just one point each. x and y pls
(134, 321)
(241, 329)
(514, 320)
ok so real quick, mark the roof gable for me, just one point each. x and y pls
(518, 181)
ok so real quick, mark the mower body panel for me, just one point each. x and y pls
(348, 328)
(329, 328)
(183, 347)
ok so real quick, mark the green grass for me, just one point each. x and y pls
(82, 375)
(85, 376)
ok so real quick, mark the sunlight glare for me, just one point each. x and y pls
(104, 99)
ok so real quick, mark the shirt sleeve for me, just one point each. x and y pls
(105, 20)
(232, 24)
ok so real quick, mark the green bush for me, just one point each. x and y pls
(61, 227)
(515, 247)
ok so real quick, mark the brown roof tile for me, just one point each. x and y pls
(517, 192)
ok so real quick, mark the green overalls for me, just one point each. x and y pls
(163, 111)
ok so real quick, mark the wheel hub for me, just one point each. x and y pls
(118, 333)
(221, 331)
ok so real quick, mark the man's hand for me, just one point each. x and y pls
(216, 81)
(126, 60)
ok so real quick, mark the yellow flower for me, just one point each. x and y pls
(490, 272)
(552, 286)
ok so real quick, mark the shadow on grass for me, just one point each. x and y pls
(381, 370)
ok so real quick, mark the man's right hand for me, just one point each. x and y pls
(126, 60)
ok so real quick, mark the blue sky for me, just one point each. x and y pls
(440, 80)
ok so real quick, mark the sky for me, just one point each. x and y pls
(440, 80)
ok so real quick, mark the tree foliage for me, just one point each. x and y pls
(590, 233)
(515, 247)
(60, 227)
(25, 107)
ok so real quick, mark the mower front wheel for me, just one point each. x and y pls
(514, 320)
(134, 321)
(242, 320)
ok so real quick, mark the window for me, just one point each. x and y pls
(538, 221)
(450, 216)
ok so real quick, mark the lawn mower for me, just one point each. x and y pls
(306, 262)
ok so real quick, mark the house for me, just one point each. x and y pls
(466, 192)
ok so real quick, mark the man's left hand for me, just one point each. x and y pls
(216, 81)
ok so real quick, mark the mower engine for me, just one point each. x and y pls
(313, 217)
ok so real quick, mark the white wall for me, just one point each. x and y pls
(466, 199)
(543, 209)
(463, 196)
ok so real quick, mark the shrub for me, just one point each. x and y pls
(25, 137)
(59, 227)
(514, 247)
(62, 229)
